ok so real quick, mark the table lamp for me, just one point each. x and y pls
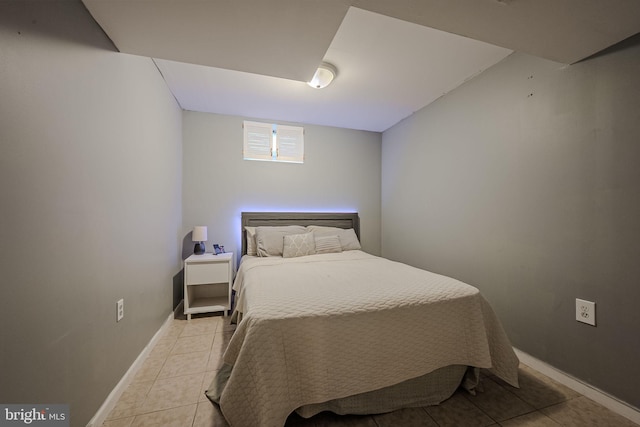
(199, 236)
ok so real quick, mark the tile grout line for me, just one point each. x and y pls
(157, 378)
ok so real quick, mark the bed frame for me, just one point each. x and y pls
(328, 219)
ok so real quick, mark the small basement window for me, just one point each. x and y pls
(270, 142)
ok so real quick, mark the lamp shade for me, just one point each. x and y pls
(199, 233)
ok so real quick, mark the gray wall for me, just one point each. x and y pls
(341, 172)
(90, 190)
(525, 182)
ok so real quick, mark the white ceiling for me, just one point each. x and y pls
(377, 83)
(251, 57)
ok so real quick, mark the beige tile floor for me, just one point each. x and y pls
(169, 391)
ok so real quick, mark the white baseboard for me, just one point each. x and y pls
(599, 396)
(111, 400)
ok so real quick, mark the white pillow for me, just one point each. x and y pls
(296, 245)
(327, 244)
(251, 241)
(348, 239)
(269, 240)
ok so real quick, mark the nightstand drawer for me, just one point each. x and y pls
(208, 273)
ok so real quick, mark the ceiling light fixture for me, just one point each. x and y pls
(324, 76)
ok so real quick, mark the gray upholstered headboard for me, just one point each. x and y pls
(328, 219)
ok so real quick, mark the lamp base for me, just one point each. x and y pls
(198, 248)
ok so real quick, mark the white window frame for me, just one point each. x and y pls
(273, 142)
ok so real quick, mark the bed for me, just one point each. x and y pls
(326, 326)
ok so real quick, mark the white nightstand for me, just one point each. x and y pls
(207, 283)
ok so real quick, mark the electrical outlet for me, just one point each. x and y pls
(119, 310)
(586, 312)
